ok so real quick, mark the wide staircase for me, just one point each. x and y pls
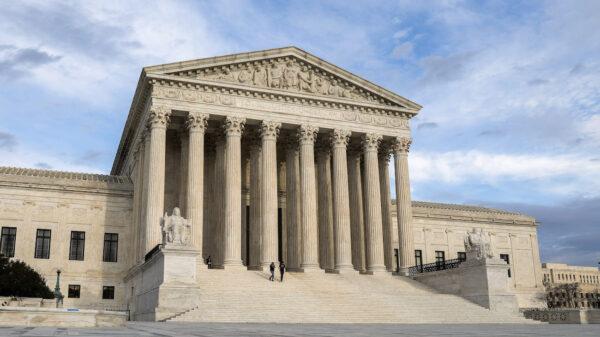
(248, 296)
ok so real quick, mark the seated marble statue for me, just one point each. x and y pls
(176, 230)
(477, 243)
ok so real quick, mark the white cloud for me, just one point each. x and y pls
(562, 175)
(401, 34)
(403, 50)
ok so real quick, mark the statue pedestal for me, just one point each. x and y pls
(484, 281)
(164, 285)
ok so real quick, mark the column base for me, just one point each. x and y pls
(257, 268)
(311, 268)
(234, 265)
(345, 270)
(376, 270)
(403, 272)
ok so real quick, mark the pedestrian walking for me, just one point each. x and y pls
(281, 270)
(272, 269)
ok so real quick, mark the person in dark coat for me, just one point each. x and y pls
(281, 270)
(209, 262)
(272, 269)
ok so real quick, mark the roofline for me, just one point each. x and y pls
(143, 83)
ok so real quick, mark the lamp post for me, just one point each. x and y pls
(57, 294)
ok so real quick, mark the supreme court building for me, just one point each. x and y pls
(270, 156)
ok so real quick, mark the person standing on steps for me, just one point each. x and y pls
(272, 269)
(209, 262)
(281, 270)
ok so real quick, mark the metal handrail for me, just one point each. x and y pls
(436, 266)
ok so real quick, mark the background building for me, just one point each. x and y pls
(571, 286)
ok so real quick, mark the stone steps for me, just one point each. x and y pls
(248, 296)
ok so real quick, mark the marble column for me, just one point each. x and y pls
(356, 208)
(196, 125)
(324, 205)
(269, 198)
(255, 198)
(341, 201)
(310, 238)
(293, 215)
(183, 173)
(386, 204)
(219, 200)
(155, 198)
(138, 158)
(145, 175)
(403, 204)
(208, 246)
(232, 233)
(373, 223)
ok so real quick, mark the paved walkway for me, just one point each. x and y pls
(293, 330)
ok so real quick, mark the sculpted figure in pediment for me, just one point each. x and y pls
(260, 76)
(305, 80)
(226, 75)
(290, 76)
(275, 75)
(245, 75)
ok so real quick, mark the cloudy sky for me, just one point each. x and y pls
(510, 90)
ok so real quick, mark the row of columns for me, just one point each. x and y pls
(357, 239)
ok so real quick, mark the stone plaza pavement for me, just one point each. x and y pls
(293, 330)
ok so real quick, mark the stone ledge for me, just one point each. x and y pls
(62, 317)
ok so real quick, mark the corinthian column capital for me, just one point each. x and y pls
(385, 151)
(307, 134)
(340, 138)
(196, 121)
(269, 129)
(159, 117)
(234, 126)
(401, 144)
(370, 142)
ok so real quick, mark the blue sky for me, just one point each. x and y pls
(510, 90)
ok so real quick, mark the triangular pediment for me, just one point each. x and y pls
(290, 70)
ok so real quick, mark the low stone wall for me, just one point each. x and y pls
(79, 318)
(564, 316)
(481, 281)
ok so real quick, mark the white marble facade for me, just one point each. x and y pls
(271, 155)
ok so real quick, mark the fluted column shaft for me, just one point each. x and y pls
(386, 202)
(324, 206)
(255, 208)
(183, 174)
(219, 201)
(196, 124)
(356, 209)
(403, 204)
(269, 230)
(373, 225)
(293, 215)
(310, 251)
(341, 201)
(233, 192)
(155, 198)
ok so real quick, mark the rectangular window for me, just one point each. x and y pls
(108, 293)
(111, 246)
(74, 290)
(507, 259)
(440, 258)
(42, 244)
(7, 243)
(419, 259)
(77, 246)
(462, 256)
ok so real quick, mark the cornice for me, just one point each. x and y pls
(269, 54)
(275, 95)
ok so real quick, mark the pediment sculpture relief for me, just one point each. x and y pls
(290, 75)
(478, 244)
(176, 230)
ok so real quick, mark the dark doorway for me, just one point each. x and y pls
(279, 233)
